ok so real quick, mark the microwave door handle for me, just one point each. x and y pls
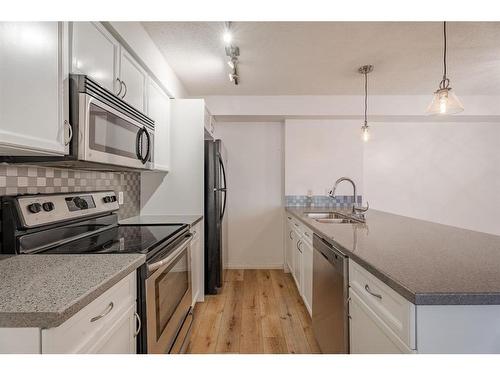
(148, 138)
(138, 144)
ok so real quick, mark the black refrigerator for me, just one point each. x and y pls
(215, 212)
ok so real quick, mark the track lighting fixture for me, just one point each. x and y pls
(232, 52)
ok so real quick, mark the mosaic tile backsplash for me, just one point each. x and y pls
(16, 180)
(341, 201)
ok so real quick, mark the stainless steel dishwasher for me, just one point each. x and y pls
(330, 297)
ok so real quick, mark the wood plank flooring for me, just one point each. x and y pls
(258, 311)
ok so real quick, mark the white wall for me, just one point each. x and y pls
(254, 172)
(442, 172)
(318, 152)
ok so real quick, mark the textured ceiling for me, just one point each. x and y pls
(321, 58)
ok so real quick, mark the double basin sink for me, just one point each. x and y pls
(334, 218)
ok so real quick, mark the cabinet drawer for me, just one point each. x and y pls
(395, 311)
(79, 333)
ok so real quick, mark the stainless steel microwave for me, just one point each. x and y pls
(106, 133)
(106, 129)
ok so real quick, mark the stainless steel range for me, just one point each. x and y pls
(87, 223)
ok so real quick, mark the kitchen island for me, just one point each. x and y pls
(447, 278)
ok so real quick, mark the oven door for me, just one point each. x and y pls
(168, 298)
(111, 137)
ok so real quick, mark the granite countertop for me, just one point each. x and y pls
(425, 262)
(191, 220)
(45, 290)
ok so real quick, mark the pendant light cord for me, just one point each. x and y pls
(366, 95)
(444, 54)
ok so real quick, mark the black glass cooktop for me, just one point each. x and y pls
(122, 239)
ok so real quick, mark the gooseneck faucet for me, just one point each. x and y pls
(355, 196)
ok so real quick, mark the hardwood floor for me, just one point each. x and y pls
(258, 311)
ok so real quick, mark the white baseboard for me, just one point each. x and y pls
(254, 266)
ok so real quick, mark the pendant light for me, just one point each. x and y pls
(444, 102)
(365, 132)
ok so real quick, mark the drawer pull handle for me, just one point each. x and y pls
(106, 312)
(291, 235)
(307, 234)
(138, 318)
(367, 288)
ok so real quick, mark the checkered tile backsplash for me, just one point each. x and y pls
(341, 201)
(16, 180)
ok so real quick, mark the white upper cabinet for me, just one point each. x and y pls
(159, 111)
(96, 53)
(33, 82)
(133, 79)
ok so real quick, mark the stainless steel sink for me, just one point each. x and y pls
(332, 218)
(325, 215)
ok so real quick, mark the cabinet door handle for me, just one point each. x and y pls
(138, 320)
(125, 93)
(68, 126)
(121, 87)
(307, 234)
(106, 312)
(367, 288)
(291, 235)
(298, 245)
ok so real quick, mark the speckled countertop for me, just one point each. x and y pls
(427, 263)
(45, 290)
(191, 220)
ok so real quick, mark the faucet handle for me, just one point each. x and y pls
(362, 209)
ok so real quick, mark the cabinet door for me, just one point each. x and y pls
(33, 81)
(297, 262)
(95, 52)
(133, 78)
(368, 333)
(289, 253)
(307, 274)
(197, 265)
(159, 111)
(120, 338)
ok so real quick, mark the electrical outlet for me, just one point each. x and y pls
(120, 197)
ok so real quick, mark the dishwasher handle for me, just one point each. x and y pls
(328, 251)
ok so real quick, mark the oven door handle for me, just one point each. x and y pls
(165, 261)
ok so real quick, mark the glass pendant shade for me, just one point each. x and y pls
(445, 102)
(365, 133)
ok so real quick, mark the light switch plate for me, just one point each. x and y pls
(120, 197)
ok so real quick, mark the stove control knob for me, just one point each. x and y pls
(80, 203)
(34, 208)
(48, 206)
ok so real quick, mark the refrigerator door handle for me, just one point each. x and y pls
(223, 189)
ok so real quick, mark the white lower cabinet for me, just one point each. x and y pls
(109, 324)
(368, 333)
(289, 244)
(307, 275)
(297, 261)
(299, 258)
(197, 262)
